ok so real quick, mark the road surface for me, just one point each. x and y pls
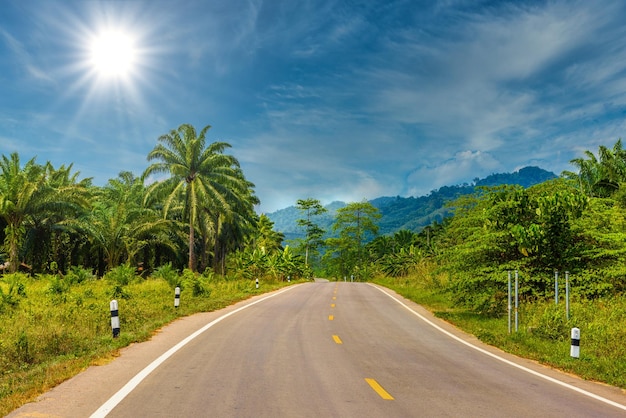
(323, 349)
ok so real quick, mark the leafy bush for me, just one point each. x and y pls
(169, 274)
(550, 324)
(119, 292)
(78, 274)
(16, 291)
(58, 286)
(197, 283)
(122, 275)
(484, 294)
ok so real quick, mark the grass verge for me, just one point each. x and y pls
(544, 329)
(52, 328)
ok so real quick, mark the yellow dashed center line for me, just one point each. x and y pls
(330, 317)
(334, 297)
(332, 305)
(337, 339)
(379, 389)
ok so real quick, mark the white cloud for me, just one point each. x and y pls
(462, 168)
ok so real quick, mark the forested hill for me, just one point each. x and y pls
(411, 213)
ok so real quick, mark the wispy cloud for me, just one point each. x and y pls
(332, 99)
(24, 58)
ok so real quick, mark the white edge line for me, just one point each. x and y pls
(495, 356)
(114, 400)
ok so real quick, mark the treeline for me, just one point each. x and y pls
(576, 223)
(197, 216)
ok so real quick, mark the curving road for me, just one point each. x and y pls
(325, 349)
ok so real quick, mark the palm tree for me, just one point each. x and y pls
(600, 176)
(61, 198)
(17, 189)
(119, 224)
(266, 237)
(35, 195)
(207, 180)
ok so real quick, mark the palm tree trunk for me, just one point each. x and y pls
(192, 258)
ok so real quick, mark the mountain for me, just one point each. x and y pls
(412, 213)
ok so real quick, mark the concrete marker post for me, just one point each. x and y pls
(257, 283)
(115, 318)
(176, 297)
(575, 347)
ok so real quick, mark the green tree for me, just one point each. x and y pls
(62, 197)
(355, 224)
(119, 224)
(209, 183)
(313, 233)
(266, 237)
(32, 192)
(601, 175)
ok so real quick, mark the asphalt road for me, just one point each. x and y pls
(324, 349)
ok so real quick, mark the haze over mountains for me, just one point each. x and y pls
(412, 213)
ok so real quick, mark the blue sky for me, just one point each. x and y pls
(335, 100)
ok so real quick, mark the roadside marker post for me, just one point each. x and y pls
(567, 295)
(509, 299)
(575, 348)
(176, 297)
(257, 283)
(516, 300)
(115, 319)
(556, 287)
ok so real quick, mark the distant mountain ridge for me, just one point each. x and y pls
(412, 213)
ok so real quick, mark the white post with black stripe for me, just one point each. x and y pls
(575, 348)
(115, 319)
(176, 297)
(257, 283)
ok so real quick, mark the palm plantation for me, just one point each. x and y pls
(34, 195)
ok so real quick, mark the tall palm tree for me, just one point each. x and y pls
(207, 180)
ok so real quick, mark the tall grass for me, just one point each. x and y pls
(544, 330)
(52, 327)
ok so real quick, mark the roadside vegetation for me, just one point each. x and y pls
(574, 224)
(52, 328)
(188, 221)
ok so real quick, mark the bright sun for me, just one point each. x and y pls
(113, 54)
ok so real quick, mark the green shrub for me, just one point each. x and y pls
(119, 292)
(122, 275)
(196, 282)
(169, 274)
(78, 274)
(58, 286)
(550, 324)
